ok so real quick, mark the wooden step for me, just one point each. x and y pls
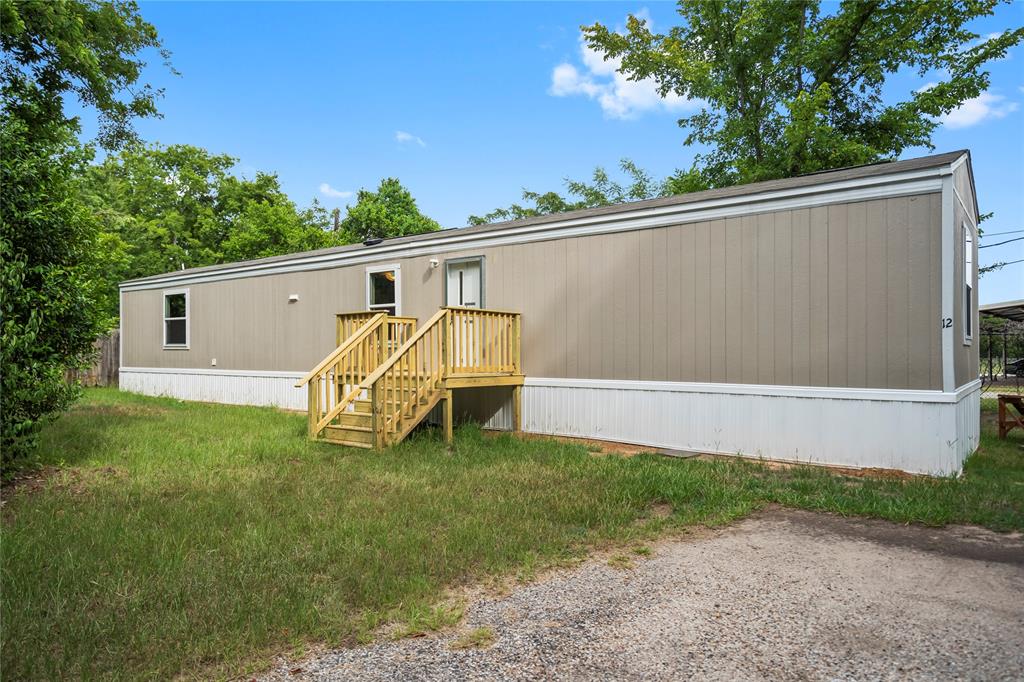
(347, 444)
(354, 419)
(358, 436)
(362, 405)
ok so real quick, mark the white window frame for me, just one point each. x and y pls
(391, 267)
(967, 301)
(187, 318)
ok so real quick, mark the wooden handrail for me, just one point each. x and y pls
(480, 310)
(397, 355)
(352, 340)
(483, 341)
(405, 371)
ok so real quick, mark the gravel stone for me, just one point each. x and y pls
(783, 595)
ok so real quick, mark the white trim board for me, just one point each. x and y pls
(216, 372)
(385, 267)
(817, 392)
(835, 393)
(948, 272)
(967, 211)
(188, 319)
(862, 189)
(120, 328)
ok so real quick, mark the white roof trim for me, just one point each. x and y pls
(860, 189)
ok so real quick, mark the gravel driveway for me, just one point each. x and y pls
(782, 595)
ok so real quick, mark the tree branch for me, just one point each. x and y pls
(867, 9)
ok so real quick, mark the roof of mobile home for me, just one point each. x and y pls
(591, 220)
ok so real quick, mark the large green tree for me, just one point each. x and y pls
(88, 49)
(792, 87)
(389, 212)
(180, 206)
(601, 190)
(49, 241)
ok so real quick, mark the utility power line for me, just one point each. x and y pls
(1015, 239)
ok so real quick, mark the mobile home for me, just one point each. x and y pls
(828, 318)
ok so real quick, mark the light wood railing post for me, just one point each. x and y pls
(447, 417)
(516, 334)
(311, 408)
(377, 416)
(446, 345)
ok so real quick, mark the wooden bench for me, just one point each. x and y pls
(1007, 420)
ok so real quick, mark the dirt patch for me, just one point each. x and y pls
(660, 510)
(28, 481)
(75, 480)
(604, 447)
(132, 410)
(965, 542)
(600, 447)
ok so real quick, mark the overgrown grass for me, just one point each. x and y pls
(191, 539)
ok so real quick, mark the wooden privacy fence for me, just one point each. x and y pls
(104, 370)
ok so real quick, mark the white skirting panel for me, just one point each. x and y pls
(916, 431)
(272, 389)
(968, 420)
(929, 432)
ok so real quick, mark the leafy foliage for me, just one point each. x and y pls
(180, 206)
(84, 47)
(602, 190)
(51, 252)
(49, 314)
(389, 212)
(790, 89)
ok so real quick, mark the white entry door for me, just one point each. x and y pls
(465, 289)
(465, 284)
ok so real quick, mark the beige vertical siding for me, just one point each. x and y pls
(842, 295)
(965, 353)
(964, 187)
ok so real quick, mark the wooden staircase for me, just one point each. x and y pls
(386, 375)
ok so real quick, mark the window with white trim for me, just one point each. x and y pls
(968, 298)
(176, 331)
(383, 289)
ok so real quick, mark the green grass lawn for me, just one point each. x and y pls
(192, 539)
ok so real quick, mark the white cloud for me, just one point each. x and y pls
(984, 107)
(403, 137)
(329, 191)
(618, 96)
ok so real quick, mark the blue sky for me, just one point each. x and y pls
(469, 103)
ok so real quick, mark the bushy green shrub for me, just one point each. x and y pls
(48, 311)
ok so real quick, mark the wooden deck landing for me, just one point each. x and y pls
(385, 376)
